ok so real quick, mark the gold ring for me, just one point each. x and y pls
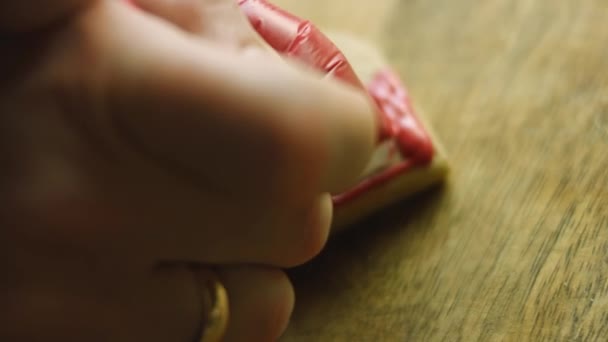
(215, 307)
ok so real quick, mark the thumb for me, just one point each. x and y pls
(175, 95)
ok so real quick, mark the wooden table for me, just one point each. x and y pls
(515, 246)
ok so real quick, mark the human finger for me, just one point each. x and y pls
(161, 90)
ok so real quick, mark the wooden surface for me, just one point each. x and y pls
(515, 247)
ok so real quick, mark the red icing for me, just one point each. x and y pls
(403, 125)
(299, 39)
(404, 128)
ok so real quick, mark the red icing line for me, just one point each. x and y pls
(372, 182)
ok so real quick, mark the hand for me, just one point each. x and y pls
(139, 147)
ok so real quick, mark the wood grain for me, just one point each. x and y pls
(515, 247)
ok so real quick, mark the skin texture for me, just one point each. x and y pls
(136, 143)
